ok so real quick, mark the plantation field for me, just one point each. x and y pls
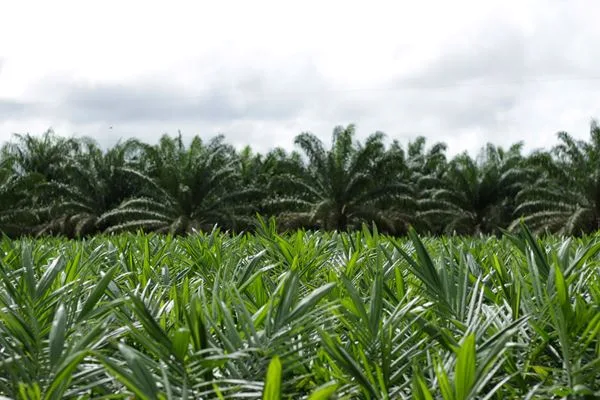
(302, 315)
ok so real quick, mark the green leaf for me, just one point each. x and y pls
(57, 335)
(181, 341)
(63, 376)
(346, 361)
(288, 294)
(443, 381)
(96, 294)
(27, 257)
(144, 380)
(562, 291)
(324, 392)
(152, 328)
(419, 387)
(590, 251)
(126, 378)
(376, 308)
(464, 374)
(272, 389)
(539, 253)
(359, 307)
(49, 276)
(29, 391)
(309, 302)
(400, 285)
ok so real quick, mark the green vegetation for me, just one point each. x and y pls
(385, 272)
(313, 315)
(52, 185)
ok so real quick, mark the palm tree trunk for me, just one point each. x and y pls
(342, 222)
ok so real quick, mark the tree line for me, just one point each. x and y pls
(56, 185)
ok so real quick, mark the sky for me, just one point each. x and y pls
(463, 72)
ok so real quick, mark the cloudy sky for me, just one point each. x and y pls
(262, 71)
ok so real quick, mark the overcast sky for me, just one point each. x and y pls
(260, 72)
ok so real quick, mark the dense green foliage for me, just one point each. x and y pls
(70, 186)
(300, 315)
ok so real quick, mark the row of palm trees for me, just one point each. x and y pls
(51, 184)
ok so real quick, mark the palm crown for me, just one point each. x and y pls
(346, 185)
(477, 194)
(566, 194)
(186, 188)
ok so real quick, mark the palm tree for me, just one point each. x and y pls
(345, 186)
(478, 193)
(426, 162)
(35, 161)
(258, 171)
(17, 191)
(565, 198)
(93, 183)
(44, 155)
(186, 189)
(426, 170)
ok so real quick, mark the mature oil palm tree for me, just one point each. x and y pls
(565, 198)
(40, 159)
(425, 172)
(259, 171)
(44, 155)
(342, 187)
(94, 182)
(17, 192)
(186, 189)
(478, 194)
(426, 161)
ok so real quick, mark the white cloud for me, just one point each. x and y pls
(465, 72)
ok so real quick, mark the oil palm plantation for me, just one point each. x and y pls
(565, 198)
(344, 186)
(186, 189)
(52, 184)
